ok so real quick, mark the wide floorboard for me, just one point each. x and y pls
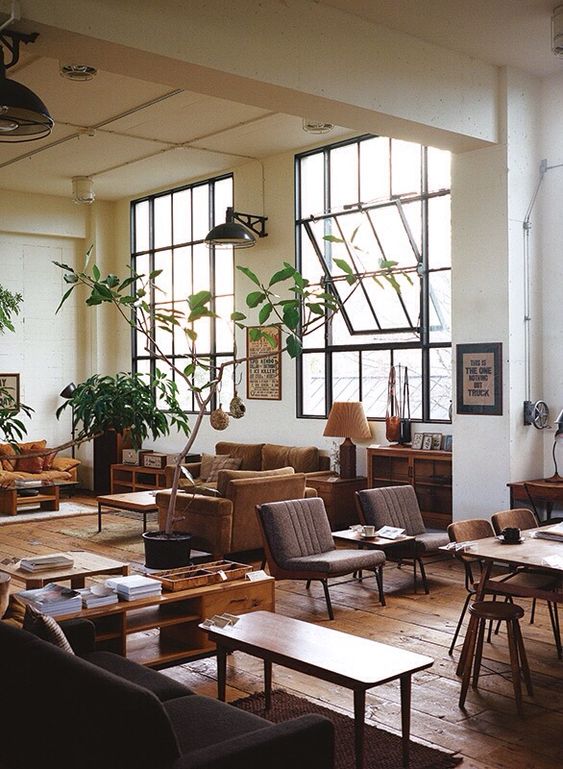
(489, 734)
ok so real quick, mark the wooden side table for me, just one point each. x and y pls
(338, 495)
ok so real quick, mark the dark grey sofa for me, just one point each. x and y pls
(102, 711)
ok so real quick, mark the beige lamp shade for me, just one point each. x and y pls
(347, 420)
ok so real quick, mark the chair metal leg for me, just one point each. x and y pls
(379, 578)
(554, 618)
(308, 584)
(459, 623)
(423, 575)
(478, 652)
(512, 631)
(533, 612)
(327, 598)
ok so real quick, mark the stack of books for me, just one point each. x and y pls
(45, 562)
(134, 587)
(97, 595)
(53, 599)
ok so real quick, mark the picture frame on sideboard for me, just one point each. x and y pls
(427, 441)
(417, 440)
(447, 443)
(436, 441)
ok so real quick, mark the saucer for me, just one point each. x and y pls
(504, 542)
(367, 536)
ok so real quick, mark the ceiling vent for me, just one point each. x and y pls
(77, 72)
(317, 126)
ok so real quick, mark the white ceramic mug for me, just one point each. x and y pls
(368, 531)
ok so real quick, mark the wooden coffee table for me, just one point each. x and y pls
(85, 565)
(342, 659)
(135, 502)
(47, 497)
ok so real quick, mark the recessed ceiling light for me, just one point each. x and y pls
(78, 72)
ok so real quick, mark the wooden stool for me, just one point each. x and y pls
(481, 612)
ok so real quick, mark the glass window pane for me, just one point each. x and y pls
(312, 185)
(224, 271)
(405, 167)
(440, 382)
(200, 197)
(375, 374)
(182, 273)
(440, 296)
(143, 366)
(182, 220)
(184, 392)
(439, 169)
(162, 221)
(202, 279)
(223, 198)
(163, 261)
(412, 360)
(393, 236)
(141, 226)
(343, 176)
(223, 324)
(439, 232)
(345, 376)
(374, 169)
(227, 389)
(313, 379)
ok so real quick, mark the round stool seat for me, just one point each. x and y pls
(495, 610)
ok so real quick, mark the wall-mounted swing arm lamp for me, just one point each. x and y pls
(238, 231)
(558, 437)
(23, 116)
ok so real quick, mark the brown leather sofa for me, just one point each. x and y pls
(227, 523)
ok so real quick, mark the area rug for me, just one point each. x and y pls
(383, 750)
(67, 509)
(126, 535)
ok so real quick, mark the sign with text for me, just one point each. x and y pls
(263, 368)
(479, 378)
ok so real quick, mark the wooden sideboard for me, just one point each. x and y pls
(338, 495)
(429, 472)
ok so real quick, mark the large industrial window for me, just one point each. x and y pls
(373, 228)
(168, 231)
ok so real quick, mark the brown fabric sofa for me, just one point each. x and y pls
(37, 468)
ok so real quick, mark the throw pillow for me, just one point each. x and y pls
(29, 465)
(45, 627)
(226, 476)
(210, 465)
(304, 459)
(64, 463)
(7, 451)
(48, 460)
(10, 464)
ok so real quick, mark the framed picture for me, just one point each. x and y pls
(479, 378)
(10, 391)
(447, 443)
(417, 440)
(436, 441)
(427, 441)
(263, 367)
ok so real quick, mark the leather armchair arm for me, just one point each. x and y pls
(208, 519)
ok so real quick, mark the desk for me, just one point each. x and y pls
(331, 655)
(539, 490)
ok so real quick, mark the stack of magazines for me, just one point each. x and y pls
(134, 587)
(44, 562)
(97, 595)
(53, 599)
(554, 532)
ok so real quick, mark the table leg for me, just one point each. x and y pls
(144, 522)
(414, 563)
(221, 673)
(406, 715)
(359, 723)
(76, 582)
(99, 516)
(267, 684)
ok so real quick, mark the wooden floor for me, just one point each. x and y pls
(488, 734)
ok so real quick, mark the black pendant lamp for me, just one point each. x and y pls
(23, 116)
(238, 231)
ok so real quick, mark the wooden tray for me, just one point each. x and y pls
(188, 577)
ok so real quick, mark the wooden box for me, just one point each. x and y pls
(188, 577)
(155, 460)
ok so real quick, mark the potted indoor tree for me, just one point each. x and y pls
(300, 310)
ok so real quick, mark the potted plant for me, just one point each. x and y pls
(298, 312)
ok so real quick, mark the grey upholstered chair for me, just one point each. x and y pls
(398, 506)
(298, 544)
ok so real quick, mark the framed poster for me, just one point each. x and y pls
(10, 391)
(479, 378)
(263, 366)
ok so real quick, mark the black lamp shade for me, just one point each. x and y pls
(23, 116)
(68, 391)
(230, 234)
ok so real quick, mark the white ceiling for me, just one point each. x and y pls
(132, 136)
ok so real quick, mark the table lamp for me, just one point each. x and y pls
(347, 420)
(556, 478)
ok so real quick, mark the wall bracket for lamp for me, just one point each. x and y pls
(12, 40)
(255, 223)
(238, 231)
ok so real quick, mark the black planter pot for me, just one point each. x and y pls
(167, 551)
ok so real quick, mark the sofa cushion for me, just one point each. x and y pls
(200, 721)
(303, 459)
(250, 453)
(164, 687)
(210, 466)
(46, 628)
(64, 464)
(6, 448)
(45, 475)
(226, 476)
(32, 465)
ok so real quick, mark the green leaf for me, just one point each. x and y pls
(353, 236)
(65, 297)
(387, 264)
(189, 370)
(93, 300)
(344, 266)
(64, 266)
(332, 239)
(191, 334)
(284, 274)
(127, 282)
(96, 272)
(103, 291)
(70, 278)
(112, 281)
(255, 298)
(265, 313)
(199, 299)
(294, 346)
(255, 334)
(238, 316)
(291, 317)
(318, 309)
(379, 283)
(154, 274)
(249, 274)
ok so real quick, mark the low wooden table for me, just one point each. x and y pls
(136, 502)
(85, 565)
(46, 499)
(342, 659)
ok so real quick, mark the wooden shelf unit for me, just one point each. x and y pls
(429, 472)
(129, 478)
(161, 630)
